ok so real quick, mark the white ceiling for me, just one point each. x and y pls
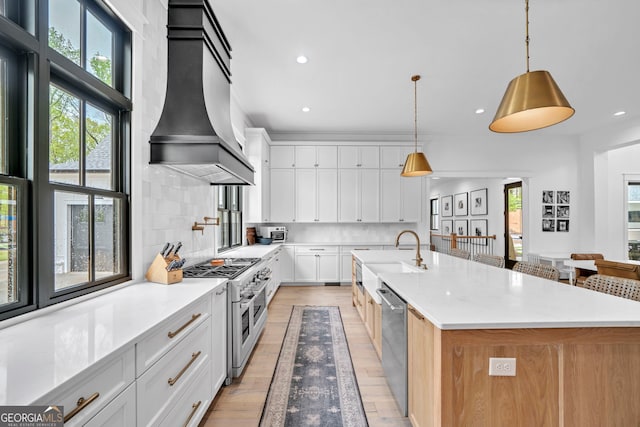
(362, 54)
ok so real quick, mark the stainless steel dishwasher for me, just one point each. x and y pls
(394, 344)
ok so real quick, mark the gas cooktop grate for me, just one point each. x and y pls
(232, 269)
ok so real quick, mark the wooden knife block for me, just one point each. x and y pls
(158, 273)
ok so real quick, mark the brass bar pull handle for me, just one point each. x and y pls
(415, 312)
(195, 407)
(82, 403)
(194, 356)
(181, 328)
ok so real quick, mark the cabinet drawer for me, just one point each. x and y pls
(316, 249)
(160, 386)
(96, 387)
(120, 412)
(170, 332)
(347, 249)
(193, 404)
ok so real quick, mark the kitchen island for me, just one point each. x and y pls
(577, 351)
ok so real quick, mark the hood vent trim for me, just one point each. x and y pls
(194, 134)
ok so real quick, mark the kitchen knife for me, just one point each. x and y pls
(178, 246)
(171, 265)
(164, 250)
(168, 252)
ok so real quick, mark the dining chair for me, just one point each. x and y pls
(581, 274)
(460, 253)
(545, 271)
(618, 286)
(618, 269)
(494, 260)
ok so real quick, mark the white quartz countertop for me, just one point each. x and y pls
(42, 353)
(252, 251)
(459, 294)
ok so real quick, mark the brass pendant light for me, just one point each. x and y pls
(532, 100)
(416, 163)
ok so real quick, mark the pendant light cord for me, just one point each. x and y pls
(415, 111)
(526, 10)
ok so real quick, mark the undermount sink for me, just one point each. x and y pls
(394, 267)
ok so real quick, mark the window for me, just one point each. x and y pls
(230, 214)
(74, 201)
(633, 223)
(435, 213)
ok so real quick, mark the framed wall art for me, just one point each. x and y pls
(563, 197)
(461, 227)
(548, 224)
(478, 202)
(548, 211)
(479, 228)
(547, 196)
(447, 227)
(563, 225)
(446, 206)
(460, 207)
(562, 211)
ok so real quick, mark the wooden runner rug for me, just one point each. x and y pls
(314, 383)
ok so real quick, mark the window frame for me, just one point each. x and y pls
(38, 66)
(225, 192)
(434, 214)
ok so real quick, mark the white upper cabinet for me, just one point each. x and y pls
(401, 197)
(393, 157)
(316, 195)
(350, 156)
(310, 156)
(282, 156)
(283, 195)
(258, 196)
(359, 195)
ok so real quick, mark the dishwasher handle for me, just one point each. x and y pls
(382, 293)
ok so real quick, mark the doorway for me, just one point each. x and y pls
(512, 223)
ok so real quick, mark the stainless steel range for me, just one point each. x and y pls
(247, 305)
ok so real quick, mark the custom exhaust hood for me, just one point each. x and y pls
(194, 135)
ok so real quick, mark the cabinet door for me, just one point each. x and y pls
(369, 324)
(393, 157)
(345, 268)
(306, 195)
(411, 197)
(282, 156)
(306, 156)
(283, 195)
(327, 156)
(266, 193)
(420, 371)
(369, 157)
(328, 267)
(218, 338)
(369, 195)
(287, 265)
(348, 195)
(306, 267)
(390, 200)
(327, 201)
(120, 412)
(348, 156)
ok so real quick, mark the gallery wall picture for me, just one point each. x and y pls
(447, 227)
(562, 197)
(548, 211)
(563, 225)
(460, 207)
(479, 228)
(547, 196)
(562, 211)
(446, 205)
(548, 224)
(461, 228)
(478, 202)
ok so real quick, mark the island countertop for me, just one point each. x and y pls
(459, 294)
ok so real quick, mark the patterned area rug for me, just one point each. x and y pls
(314, 383)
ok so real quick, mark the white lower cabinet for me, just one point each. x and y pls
(120, 412)
(346, 257)
(89, 394)
(287, 264)
(192, 405)
(317, 264)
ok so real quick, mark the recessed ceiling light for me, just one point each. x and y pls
(620, 113)
(480, 111)
(306, 109)
(302, 59)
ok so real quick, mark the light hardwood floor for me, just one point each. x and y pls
(240, 404)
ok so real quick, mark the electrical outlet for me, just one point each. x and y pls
(502, 366)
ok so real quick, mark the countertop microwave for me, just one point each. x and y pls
(278, 234)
